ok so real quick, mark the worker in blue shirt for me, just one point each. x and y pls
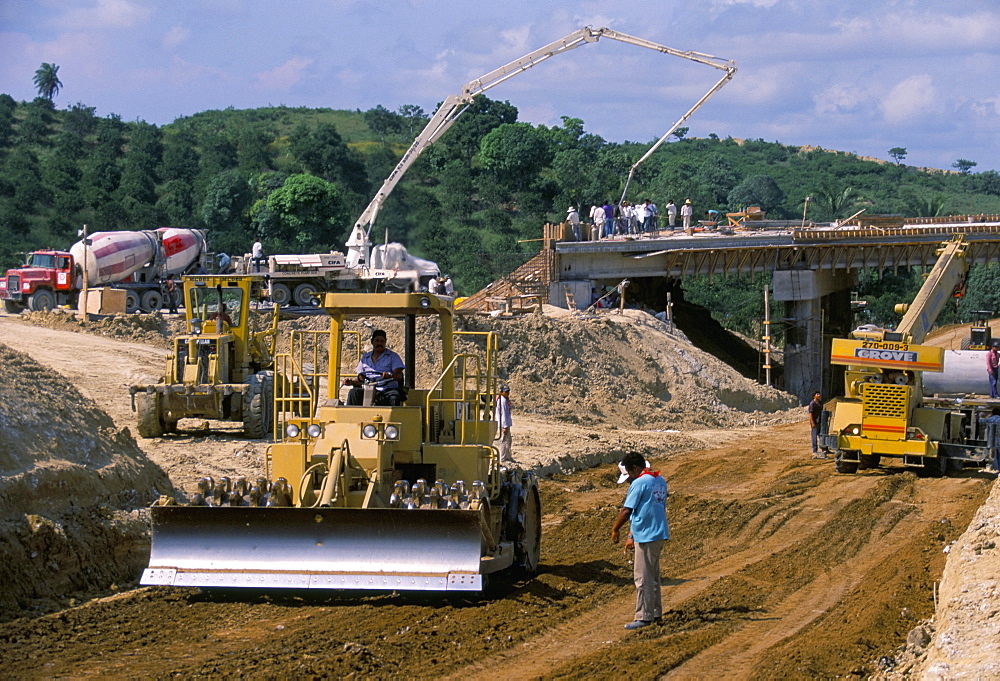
(645, 510)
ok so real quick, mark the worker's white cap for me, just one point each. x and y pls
(570, 209)
(624, 476)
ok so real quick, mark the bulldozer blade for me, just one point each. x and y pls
(315, 548)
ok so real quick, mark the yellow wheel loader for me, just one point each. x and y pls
(222, 368)
(364, 492)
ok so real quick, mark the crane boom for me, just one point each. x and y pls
(359, 244)
(947, 275)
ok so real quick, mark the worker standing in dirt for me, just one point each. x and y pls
(378, 365)
(815, 416)
(992, 365)
(645, 510)
(504, 422)
(170, 293)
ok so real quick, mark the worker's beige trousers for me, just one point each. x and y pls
(504, 446)
(646, 573)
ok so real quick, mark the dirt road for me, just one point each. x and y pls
(777, 567)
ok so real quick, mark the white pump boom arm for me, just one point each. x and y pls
(454, 105)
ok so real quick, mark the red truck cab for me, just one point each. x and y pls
(44, 281)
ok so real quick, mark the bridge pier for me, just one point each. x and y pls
(817, 309)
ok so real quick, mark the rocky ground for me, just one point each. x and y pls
(777, 565)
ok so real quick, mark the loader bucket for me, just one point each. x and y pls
(315, 548)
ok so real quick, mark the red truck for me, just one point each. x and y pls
(139, 262)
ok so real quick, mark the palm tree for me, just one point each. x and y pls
(47, 80)
(836, 202)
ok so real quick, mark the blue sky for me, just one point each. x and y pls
(853, 75)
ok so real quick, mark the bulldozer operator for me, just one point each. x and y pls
(384, 368)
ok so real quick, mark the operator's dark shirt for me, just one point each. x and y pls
(816, 410)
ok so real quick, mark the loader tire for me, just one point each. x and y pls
(257, 416)
(149, 424)
(529, 543)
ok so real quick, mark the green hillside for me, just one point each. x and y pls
(298, 178)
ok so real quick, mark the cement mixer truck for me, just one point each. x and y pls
(139, 262)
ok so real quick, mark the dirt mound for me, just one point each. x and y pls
(154, 329)
(70, 484)
(627, 371)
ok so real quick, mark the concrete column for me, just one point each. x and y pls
(817, 306)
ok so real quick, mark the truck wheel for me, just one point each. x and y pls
(305, 295)
(529, 542)
(131, 302)
(12, 307)
(280, 295)
(869, 461)
(151, 301)
(842, 466)
(149, 424)
(934, 466)
(41, 301)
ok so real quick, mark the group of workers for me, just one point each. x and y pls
(441, 286)
(611, 220)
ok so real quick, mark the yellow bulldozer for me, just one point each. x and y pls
(363, 492)
(222, 367)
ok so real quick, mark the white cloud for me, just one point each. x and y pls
(718, 4)
(910, 100)
(283, 77)
(106, 14)
(987, 106)
(839, 98)
(176, 35)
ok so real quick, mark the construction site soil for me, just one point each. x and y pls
(777, 566)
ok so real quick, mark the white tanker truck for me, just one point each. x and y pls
(139, 262)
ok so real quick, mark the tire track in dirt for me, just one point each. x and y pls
(602, 627)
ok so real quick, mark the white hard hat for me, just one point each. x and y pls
(624, 476)
(570, 209)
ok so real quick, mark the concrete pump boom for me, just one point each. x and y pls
(359, 243)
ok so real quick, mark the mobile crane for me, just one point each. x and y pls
(884, 412)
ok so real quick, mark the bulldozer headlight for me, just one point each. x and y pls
(291, 430)
(369, 431)
(425, 302)
(855, 430)
(391, 433)
(313, 430)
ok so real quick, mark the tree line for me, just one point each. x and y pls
(475, 202)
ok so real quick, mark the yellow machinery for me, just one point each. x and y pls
(222, 367)
(884, 412)
(409, 497)
(980, 333)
